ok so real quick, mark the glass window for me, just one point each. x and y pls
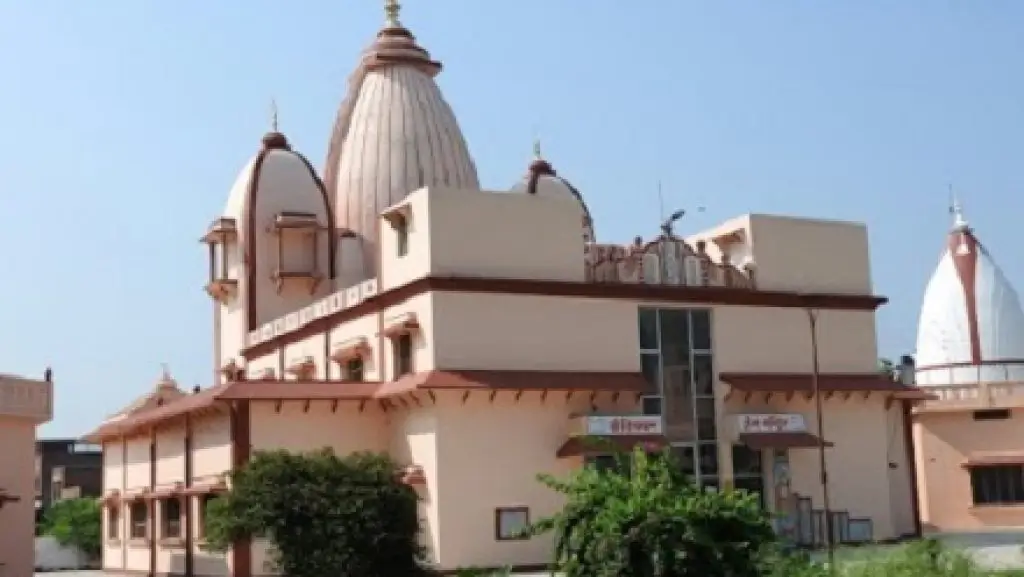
(172, 518)
(650, 405)
(139, 517)
(678, 404)
(684, 455)
(113, 522)
(204, 507)
(510, 523)
(401, 236)
(708, 458)
(746, 461)
(706, 419)
(701, 322)
(648, 325)
(650, 366)
(353, 369)
(675, 336)
(703, 376)
(403, 355)
(997, 485)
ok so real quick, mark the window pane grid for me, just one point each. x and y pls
(684, 374)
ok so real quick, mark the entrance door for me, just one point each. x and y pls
(748, 471)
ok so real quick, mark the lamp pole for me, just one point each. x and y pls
(812, 319)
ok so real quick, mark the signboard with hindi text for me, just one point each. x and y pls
(771, 423)
(623, 425)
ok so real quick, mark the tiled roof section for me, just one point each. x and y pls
(141, 419)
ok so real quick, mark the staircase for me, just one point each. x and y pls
(807, 527)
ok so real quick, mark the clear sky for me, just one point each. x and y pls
(125, 122)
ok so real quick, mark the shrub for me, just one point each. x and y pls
(654, 522)
(76, 523)
(322, 515)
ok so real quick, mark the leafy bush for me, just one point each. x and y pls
(654, 522)
(322, 515)
(76, 523)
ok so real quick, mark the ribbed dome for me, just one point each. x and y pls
(542, 180)
(394, 133)
(971, 327)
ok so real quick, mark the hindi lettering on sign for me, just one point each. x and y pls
(772, 423)
(624, 425)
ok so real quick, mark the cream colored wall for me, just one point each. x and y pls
(424, 340)
(17, 478)
(136, 464)
(414, 440)
(113, 480)
(901, 479)
(846, 340)
(170, 456)
(366, 327)
(944, 442)
(396, 270)
(799, 254)
(499, 331)
(549, 247)
(211, 446)
(525, 435)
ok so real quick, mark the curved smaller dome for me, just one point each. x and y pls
(281, 172)
(542, 180)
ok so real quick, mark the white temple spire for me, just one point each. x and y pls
(956, 209)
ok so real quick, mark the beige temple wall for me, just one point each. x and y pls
(17, 478)
(944, 442)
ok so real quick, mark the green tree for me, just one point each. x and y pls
(77, 523)
(322, 514)
(652, 521)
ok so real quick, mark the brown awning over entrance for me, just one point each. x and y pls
(994, 459)
(596, 445)
(780, 440)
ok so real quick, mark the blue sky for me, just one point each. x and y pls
(125, 122)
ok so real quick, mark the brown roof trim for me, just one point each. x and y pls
(437, 380)
(624, 291)
(800, 440)
(802, 382)
(994, 459)
(596, 445)
(174, 409)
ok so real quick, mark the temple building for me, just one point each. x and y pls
(481, 337)
(24, 405)
(970, 356)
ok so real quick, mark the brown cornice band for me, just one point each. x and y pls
(623, 291)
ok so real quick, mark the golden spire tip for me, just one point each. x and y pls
(391, 11)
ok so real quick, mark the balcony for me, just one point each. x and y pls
(26, 398)
(952, 398)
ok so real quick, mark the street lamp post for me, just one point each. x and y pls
(812, 318)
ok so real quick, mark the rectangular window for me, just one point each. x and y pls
(509, 523)
(401, 227)
(997, 484)
(138, 515)
(746, 462)
(403, 355)
(170, 528)
(650, 405)
(353, 370)
(113, 522)
(992, 415)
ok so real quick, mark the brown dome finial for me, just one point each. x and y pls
(274, 140)
(539, 166)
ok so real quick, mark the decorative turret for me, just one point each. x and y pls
(542, 180)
